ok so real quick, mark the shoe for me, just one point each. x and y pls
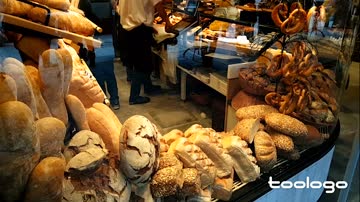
(153, 90)
(139, 100)
(115, 104)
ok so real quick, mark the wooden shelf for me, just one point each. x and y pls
(77, 38)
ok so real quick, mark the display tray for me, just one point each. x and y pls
(27, 24)
(283, 170)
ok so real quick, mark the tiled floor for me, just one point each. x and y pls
(167, 111)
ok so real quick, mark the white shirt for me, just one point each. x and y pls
(133, 13)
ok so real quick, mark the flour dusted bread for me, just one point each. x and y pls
(77, 111)
(246, 129)
(265, 150)
(34, 78)
(51, 132)
(51, 71)
(100, 124)
(286, 124)
(58, 4)
(45, 182)
(243, 158)
(139, 149)
(20, 149)
(254, 111)
(8, 89)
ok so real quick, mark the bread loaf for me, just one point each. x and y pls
(45, 182)
(58, 4)
(77, 111)
(20, 149)
(166, 182)
(193, 157)
(314, 138)
(51, 132)
(99, 124)
(68, 68)
(243, 99)
(139, 149)
(8, 90)
(86, 162)
(171, 136)
(254, 111)
(16, 8)
(70, 21)
(51, 71)
(286, 124)
(192, 183)
(222, 187)
(242, 156)
(109, 114)
(192, 129)
(24, 90)
(34, 78)
(246, 129)
(282, 142)
(265, 150)
(169, 160)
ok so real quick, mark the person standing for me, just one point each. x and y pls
(135, 38)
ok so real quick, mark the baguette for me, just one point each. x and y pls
(51, 71)
(286, 124)
(246, 129)
(254, 111)
(58, 4)
(16, 8)
(77, 111)
(244, 161)
(68, 68)
(8, 90)
(34, 78)
(46, 181)
(110, 114)
(265, 150)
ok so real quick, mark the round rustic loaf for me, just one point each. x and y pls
(139, 149)
(244, 99)
(286, 124)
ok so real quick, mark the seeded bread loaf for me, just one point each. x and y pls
(265, 150)
(254, 111)
(286, 124)
(246, 129)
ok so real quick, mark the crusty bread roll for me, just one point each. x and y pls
(51, 71)
(16, 8)
(192, 184)
(242, 156)
(286, 124)
(314, 138)
(246, 129)
(192, 129)
(25, 93)
(282, 142)
(193, 157)
(51, 132)
(58, 4)
(77, 111)
(70, 21)
(222, 187)
(211, 146)
(20, 149)
(254, 111)
(109, 114)
(166, 182)
(34, 78)
(99, 124)
(45, 182)
(171, 136)
(164, 148)
(169, 160)
(68, 68)
(265, 150)
(139, 149)
(243, 99)
(8, 90)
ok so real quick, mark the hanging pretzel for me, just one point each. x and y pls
(295, 22)
(279, 10)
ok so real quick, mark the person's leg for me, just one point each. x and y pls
(136, 81)
(111, 85)
(99, 76)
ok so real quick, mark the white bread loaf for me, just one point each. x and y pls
(58, 4)
(246, 129)
(265, 150)
(51, 71)
(139, 149)
(68, 68)
(77, 111)
(20, 149)
(34, 78)
(51, 132)
(109, 113)
(106, 129)
(242, 156)
(8, 89)
(45, 182)
(193, 157)
(209, 143)
(254, 111)
(24, 91)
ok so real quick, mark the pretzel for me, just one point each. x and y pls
(294, 23)
(295, 5)
(277, 64)
(280, 9)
